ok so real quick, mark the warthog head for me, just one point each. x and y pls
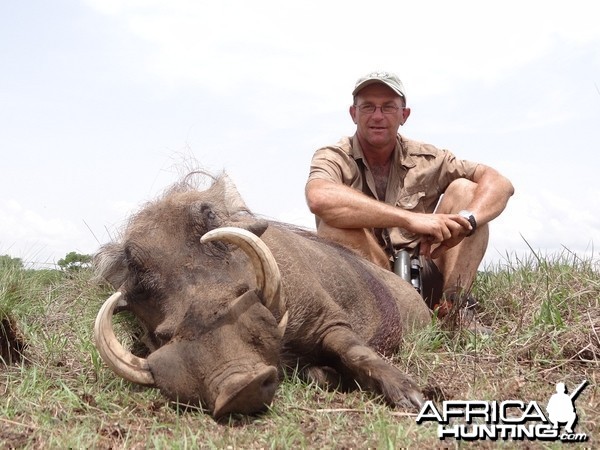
(192, 268)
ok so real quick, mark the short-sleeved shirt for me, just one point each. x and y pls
(419, 175)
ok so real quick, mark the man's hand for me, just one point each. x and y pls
(447, 230)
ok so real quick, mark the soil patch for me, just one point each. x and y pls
(12, 343)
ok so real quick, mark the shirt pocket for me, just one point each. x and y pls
(411, 202)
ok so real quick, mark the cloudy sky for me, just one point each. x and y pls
(102, 100)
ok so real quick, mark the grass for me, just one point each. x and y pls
(55, 392)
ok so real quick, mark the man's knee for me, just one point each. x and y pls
(461, 188)
(457, 196)
(360, 240)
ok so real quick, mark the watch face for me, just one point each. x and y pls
(471, 218)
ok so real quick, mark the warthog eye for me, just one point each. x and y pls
(209, 214)
(241, 289)
(204, 217)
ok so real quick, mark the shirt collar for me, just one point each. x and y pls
(401, 156)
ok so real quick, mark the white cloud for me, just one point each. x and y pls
(548, 222)
(38, 238)
(227, 43)
(256, 87)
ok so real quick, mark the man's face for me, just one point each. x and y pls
(375, 129)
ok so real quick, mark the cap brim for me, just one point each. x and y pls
(371, 81)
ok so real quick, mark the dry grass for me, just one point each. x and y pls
(545, 314)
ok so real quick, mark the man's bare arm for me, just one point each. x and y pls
(491, 195)
(344, 207)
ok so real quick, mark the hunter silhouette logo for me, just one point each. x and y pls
(561, 406)
(510, 419)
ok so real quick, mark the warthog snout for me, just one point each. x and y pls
(246, 393)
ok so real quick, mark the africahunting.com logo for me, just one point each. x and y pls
(510, 419)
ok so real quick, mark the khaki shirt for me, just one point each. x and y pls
(419, 175)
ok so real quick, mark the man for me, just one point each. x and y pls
(561, 408)
(378, 192)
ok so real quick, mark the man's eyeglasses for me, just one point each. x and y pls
(368, 108)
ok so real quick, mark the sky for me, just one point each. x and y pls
(102, 102)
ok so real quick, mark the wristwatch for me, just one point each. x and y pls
(471, 218)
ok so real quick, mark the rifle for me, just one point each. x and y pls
(578, 390)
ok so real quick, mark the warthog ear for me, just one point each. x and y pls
(110, 264)
(231, 196)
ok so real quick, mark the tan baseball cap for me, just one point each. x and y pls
(389, 79)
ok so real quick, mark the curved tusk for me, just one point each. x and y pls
(282, 325)
(268, 278)
(121, 361)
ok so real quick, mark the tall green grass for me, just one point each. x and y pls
(544, 312)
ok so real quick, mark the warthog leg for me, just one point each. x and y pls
(355, 360)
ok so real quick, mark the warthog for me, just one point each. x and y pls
(227, 299)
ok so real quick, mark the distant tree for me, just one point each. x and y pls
(7, 261)
(75, 261)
